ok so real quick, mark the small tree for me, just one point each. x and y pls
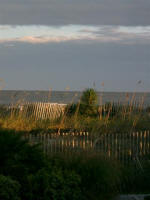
(88, 105)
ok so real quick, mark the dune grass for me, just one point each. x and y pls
(112, 120)
(86, 115)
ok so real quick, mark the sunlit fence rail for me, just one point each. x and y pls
(124, 147)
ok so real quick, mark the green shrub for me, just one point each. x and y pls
(55, 184)
(15, 153)
(19, 159)
(99, 176)
(38, 179)
(9, 189)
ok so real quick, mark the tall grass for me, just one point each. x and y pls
(107, 118)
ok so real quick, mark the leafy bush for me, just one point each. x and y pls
(19, 159)
(9, 189)
(79, 175)
(16, 154)
(55, 184)
(31, 169)
(99, 176)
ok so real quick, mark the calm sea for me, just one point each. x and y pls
(65, 97)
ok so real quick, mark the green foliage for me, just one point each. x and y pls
(9, 189)
(77, 176)
(38, 179)
(19, 159)
(99, 176)
(17, 153)
(88, 104)
(27, 174)
(55, 184)
(89, 97)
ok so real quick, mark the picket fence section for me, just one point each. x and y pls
(125, 147)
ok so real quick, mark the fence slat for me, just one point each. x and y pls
(125, 147)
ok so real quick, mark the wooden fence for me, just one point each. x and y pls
(124, 147)
(40, 110)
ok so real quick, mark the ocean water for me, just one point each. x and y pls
(66, 97)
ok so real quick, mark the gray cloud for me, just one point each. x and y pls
(61, 12)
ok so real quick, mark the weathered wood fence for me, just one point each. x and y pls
(125, 147)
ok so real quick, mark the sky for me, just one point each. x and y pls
(61, 44)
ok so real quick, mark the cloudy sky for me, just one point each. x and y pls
(64, 43)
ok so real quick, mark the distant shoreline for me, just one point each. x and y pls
(66, 97)
(79, 91)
